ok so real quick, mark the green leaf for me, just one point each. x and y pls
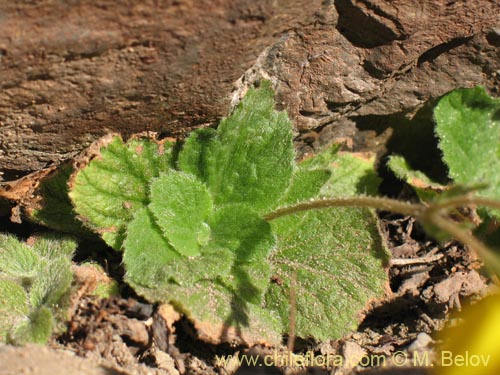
(249, 237)
(339, 259)
(36, 329)
(115, 184)
(34, 286)
(53, 280)
(305, 184)
(250, 160)
(180, 204)
(153, 264)
(468, 127)
(16, 259)
(352, 174)
(13, 307)
(146, 251)
(426, 189)
(337, 255)
(52, 246)
(196, 153)
(226, 282)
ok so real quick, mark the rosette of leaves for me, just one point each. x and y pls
(34, 287)
(192, 226)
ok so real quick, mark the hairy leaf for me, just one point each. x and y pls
(352, 174)
(225, 283)
(339, 268)
(333, 258)
(14, 306)
(196, 153)
(152, 263)
(250, 159)
(37, 328)
(468, 127)
(16, 259)
(115, 184)
(34, 286)
(425, 188)
(181, 204)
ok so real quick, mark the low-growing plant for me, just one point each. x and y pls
(34, 287)
(235, 233)
(196, 231)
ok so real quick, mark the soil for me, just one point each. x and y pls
(130, 336)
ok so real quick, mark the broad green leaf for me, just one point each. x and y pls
(181, 204)
(153, 264)
(305, 184)
(16, 259)
(352, 174)
(250, 160)
(37, 328)
(146, 251)
(236, 254)
(13, 306)
(196, 153)
(240, 229)
(115, 184)
(338, 257)
(425, 188)
(468, 127)
(225, 283)
(219, 314)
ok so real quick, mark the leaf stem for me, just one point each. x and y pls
(432, 214)
(463, 201)
(379, 203)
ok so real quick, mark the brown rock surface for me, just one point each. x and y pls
(74, 70)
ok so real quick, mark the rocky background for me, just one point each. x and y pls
(73, 70)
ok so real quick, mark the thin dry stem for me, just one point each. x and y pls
(378, 203)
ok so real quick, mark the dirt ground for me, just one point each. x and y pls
(128, 336)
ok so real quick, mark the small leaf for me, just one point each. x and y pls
(180, 204)
(425, 188)
(33, 301)
(225, 283)
(152, 263)
(36, 329)
(16, 259)
(53, 280)
(52, 246)
(250, 160)
(13, 308)
(468, 127)
(115, 184)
